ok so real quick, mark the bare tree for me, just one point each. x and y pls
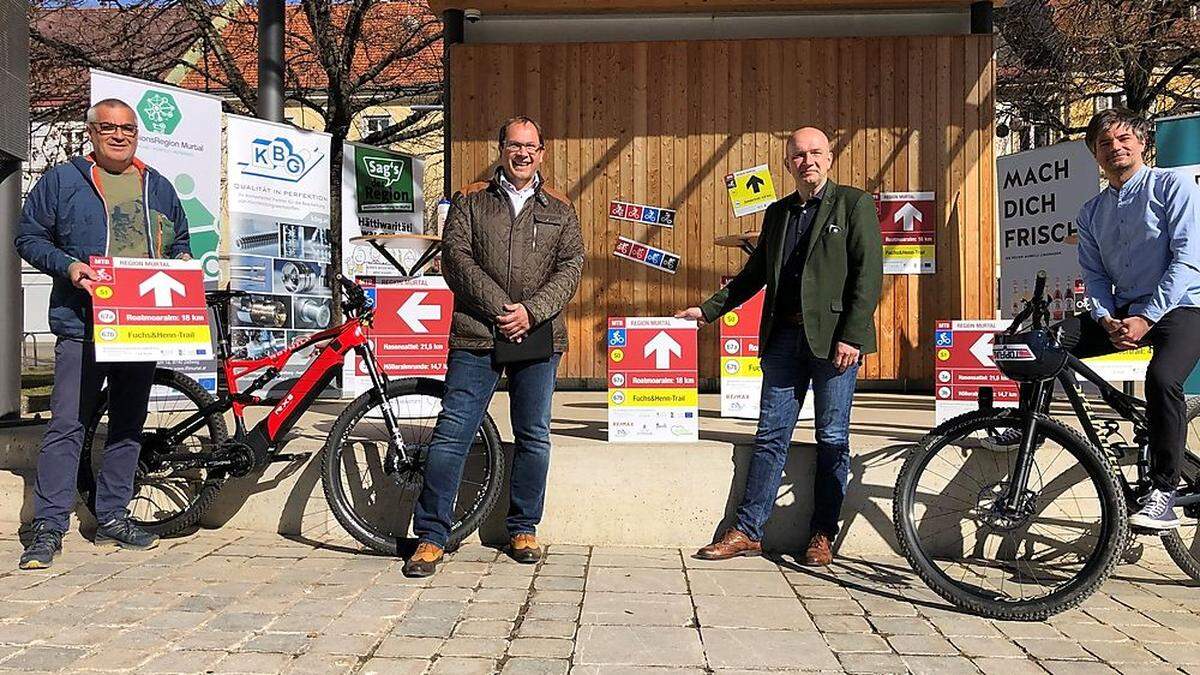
(1056, 54)
(341, 59)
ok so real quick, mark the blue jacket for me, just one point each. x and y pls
(65, 220)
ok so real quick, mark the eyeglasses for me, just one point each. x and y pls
(515, 147)
(108, 128)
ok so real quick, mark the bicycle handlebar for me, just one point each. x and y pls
(355, 298)
(1036, 307)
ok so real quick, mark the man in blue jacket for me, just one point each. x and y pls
(107, 203)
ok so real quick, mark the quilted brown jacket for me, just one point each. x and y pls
(492, 257)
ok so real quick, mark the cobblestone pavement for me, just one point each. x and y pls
(227, 601)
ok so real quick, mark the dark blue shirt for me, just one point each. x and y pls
(795, 249)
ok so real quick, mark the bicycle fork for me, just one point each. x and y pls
(1038, 399)
(397, 454)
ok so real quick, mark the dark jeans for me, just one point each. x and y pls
(1176, 342)
(788, 367)
(77, 383)
(471, 379)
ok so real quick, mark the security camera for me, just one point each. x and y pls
(472, 15)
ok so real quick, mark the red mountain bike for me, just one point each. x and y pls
(371, 465)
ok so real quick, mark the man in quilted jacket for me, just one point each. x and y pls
(512, 253)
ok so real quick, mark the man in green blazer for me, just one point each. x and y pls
(820, 257)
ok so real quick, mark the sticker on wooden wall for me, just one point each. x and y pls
(641, 213)
(750, 190)
(647, 255)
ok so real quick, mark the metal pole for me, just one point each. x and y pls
(270, 60)
(452, 34)
(10, 290)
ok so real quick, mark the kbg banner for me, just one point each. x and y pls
(381, 194)
(149, 310)
(652, 378)
(278, 182)
(179, 135)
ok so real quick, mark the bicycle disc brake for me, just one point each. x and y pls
(991, 507)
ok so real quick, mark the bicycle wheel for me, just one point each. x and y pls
(166, 498)
(374, 505)
(1047, 555)
(1184, 543)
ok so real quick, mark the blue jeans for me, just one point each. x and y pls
(73, 401)
(788, 366)
(471, 379)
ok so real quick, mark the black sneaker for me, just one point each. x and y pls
(1005, 441)
(40, 552)
(123, 533)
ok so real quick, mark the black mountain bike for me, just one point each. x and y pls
(1029, 530)
(372, 464)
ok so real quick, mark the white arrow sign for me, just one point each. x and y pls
(982, 349)
(163, 285)
(412, 312)
(908, 213)
(662, 346)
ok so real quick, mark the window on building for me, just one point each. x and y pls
(1108, 100)
(374, 123)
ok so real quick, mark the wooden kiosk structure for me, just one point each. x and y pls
(656, 101)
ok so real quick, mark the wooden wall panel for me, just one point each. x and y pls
(664, 122)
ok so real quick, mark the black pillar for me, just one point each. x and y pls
(452, 34)
(270, 60)
(10, 289)
(981, 17)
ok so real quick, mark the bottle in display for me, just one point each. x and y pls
(1056, 303)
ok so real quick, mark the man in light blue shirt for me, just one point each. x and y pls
(1139, 248)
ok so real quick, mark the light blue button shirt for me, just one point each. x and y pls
(1140, 245)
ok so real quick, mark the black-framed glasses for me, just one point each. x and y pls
(514, 147)
(108, 128)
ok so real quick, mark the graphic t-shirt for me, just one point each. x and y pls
(128, 235)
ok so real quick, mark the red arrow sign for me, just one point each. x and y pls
(412, 325)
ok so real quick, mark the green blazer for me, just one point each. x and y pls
(842, 278)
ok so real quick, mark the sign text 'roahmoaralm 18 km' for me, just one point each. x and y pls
(149, 310)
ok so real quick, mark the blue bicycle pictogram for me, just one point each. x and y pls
(616, 337)
(944, 338)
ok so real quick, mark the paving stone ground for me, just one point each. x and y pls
(231, 602)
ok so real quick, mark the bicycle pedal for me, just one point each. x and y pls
(1146, 531)
(296, 457)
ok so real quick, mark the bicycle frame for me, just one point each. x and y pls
(1128, 407)
(264, 438)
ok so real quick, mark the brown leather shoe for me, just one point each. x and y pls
(524, 548)
(733, 543)
(424, 560)
(820, 551)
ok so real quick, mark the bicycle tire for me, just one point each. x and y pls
(342, 506)
(1095, 571)
(1187, 554)
(204, 497)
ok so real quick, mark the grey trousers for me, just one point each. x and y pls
(77, 383)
